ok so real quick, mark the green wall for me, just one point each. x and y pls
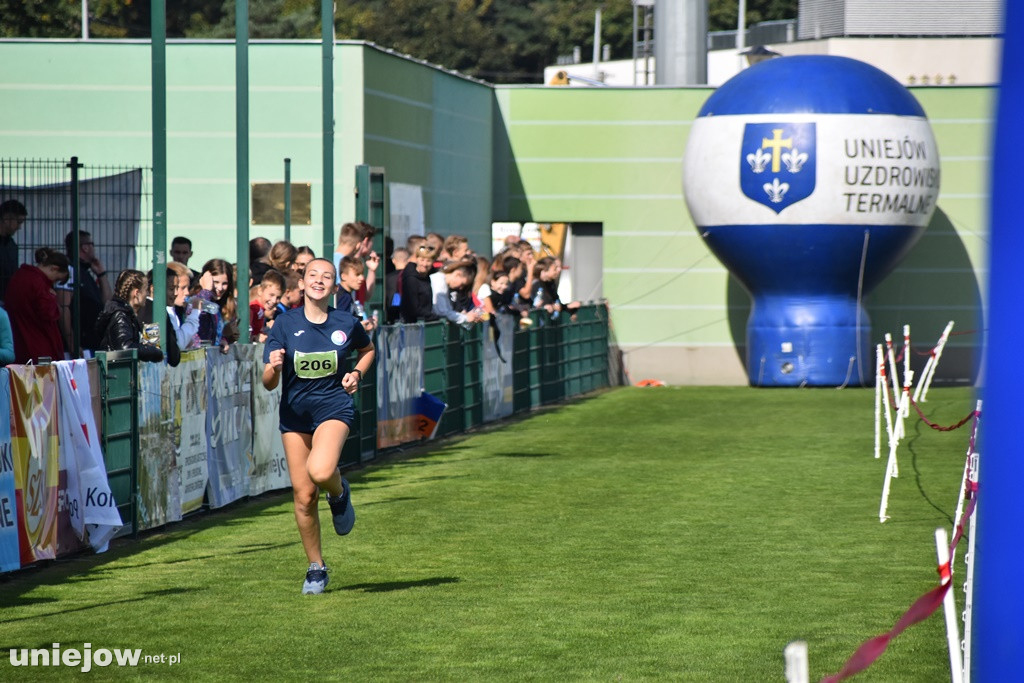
(481, 154)
(91, 99)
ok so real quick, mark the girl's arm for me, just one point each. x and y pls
(272, 370)
(350, 382)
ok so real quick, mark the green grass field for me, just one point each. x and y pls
(661, 534)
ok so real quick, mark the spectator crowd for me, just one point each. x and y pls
(430, 277)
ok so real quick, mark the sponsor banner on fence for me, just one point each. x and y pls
(399, 383)
(269, 467)
(9, 555)
(497, 378)
(69, 513)
(186, 392)
(429, 409)
(34, 442)
(84, 495)
(229, 423)
(158, 475)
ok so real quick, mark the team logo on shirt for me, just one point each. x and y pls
(339, 337)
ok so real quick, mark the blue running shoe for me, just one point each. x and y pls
(341, 510)
(316, 579)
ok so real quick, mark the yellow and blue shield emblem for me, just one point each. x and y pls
(778, 163)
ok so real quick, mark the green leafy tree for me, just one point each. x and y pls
(501, 41)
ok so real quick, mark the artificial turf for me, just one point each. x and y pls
(662, 534)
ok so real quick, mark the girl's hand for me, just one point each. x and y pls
(350, 382)
(206, 281)
(276, 359)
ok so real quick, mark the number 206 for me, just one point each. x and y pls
(315, 365)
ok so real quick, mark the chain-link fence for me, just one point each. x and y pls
(109, 206)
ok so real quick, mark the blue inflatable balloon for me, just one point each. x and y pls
(810, 177)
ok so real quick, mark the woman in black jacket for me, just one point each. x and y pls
(417, 298)
(118, 325)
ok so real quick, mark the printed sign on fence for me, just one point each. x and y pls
(497, 377)
(158, 474)
(429, 409)
(269, 466)
(34, 442)
(9, 556)
(185, 387)
(399, 383)
(88, 505)
(229, 423)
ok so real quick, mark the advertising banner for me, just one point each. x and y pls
(497, 377)
(429, 409)
(269, 467)
(229, 423)
(9, 555)
(159, 478)
(34, 445)
(187, 396)
(85, 501)
(400, 352)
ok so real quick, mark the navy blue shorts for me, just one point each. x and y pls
(306, 418)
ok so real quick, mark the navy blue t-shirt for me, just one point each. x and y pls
(316, 358)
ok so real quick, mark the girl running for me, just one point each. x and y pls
(309, 347)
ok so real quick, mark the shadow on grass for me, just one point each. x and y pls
(523, 454)
(917, 475)
(147, 595)
(402, 499)
(79, 567)
(389, 586)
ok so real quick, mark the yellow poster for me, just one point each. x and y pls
(36, 471)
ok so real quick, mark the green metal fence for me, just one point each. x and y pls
(554, 360)
(119, 392)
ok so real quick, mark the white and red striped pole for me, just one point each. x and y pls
(956, 667)
(906, 361)
(879, 390)
(893, 372)
(965, 481)
(939, 347)
(969, 582)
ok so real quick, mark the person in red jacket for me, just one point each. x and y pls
(32, 306)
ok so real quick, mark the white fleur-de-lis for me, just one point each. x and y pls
(794, 160)
(776, 190)
(758, 159)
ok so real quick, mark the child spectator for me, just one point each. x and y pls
(303, 255)
(32, 305)
(292, 295)
(183, 320)
(352, 279)
(262, 307)
(282, 255)
(259, 263)
(448, 282)
(436, 242)
(490, 293)
(456, 248)
(480, 278)
(218, 306)
(392, 285)
(544, 293)
(118, 326)
(417, 297)
(181, 252)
